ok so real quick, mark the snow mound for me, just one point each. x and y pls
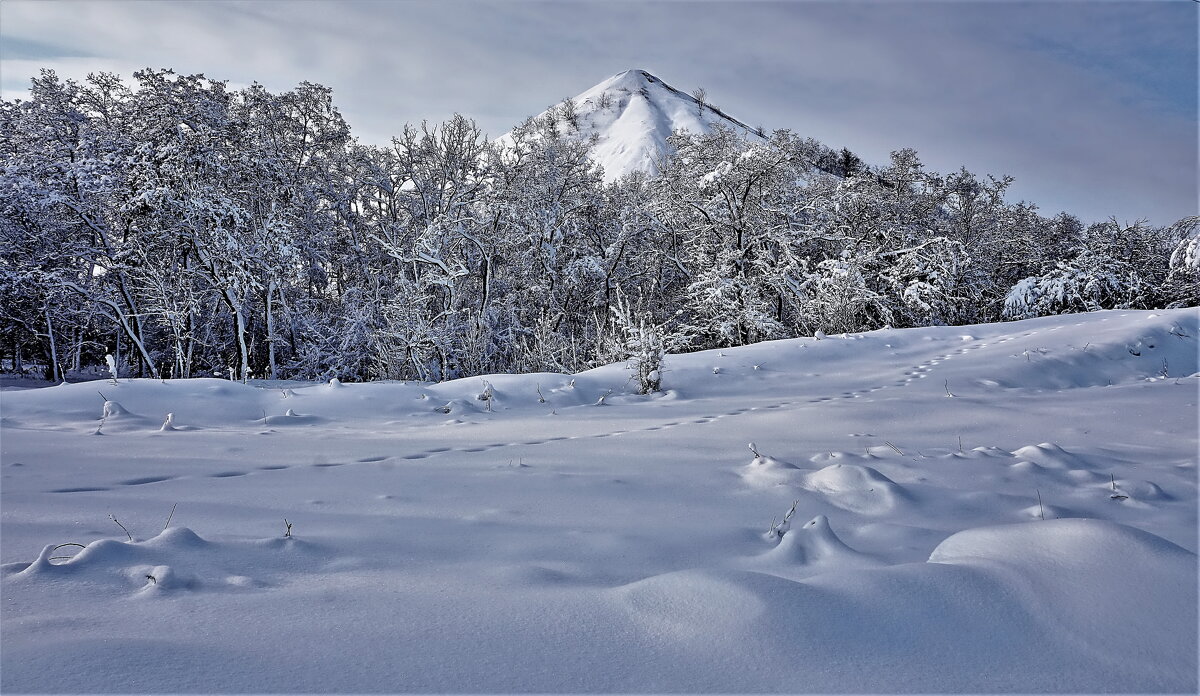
(115, 411)
(115, 418)
(691, 606)
(1020, 607)
(1138, 489)
(1025, 467)
(175, 560)
(1078, 546)
(1049, 455)
(1106, 581)
(815, 545)
(857, 488)
(771, 463)
(765, 471)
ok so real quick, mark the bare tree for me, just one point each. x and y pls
(570, 113)
(701, 96)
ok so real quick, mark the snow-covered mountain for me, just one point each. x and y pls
(632, 113)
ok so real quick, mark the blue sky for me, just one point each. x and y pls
(1092, 106)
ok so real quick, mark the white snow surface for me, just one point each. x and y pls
(631, 129)
(512, 545)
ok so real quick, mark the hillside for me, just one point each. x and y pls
(632, 113)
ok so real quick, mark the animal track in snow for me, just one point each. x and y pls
(144, 480)
(910, 374)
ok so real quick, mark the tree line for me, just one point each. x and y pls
(195, 230)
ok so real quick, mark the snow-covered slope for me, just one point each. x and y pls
(632, 113)
(996, 508)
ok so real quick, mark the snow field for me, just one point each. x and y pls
(441, 542)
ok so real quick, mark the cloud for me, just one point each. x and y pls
(1091, 106)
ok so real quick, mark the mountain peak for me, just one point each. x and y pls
(629, 78)
(631, 115)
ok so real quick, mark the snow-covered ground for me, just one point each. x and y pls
(621, 544)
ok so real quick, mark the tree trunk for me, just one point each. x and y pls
(239, 320)
(191, 347)
(143, 354)
(55, 371)
(271, 331)
(77, 359)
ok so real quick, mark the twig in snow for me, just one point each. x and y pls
(1115, 495)
(778, 530)
(170, 516)
(114, 519)
(65, 558)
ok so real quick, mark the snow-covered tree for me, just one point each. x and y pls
(191, 227)
(1182, 285)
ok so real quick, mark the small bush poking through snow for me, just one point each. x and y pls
(778, 530)
(643, 341)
